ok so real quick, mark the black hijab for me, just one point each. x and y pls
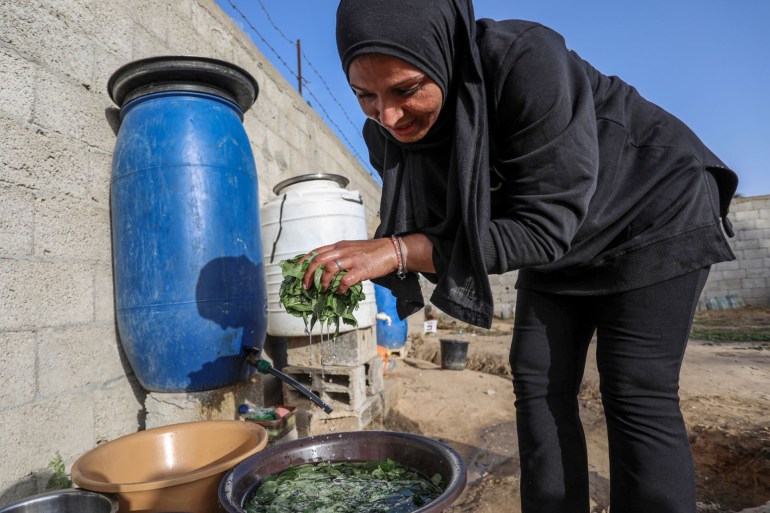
(438, 186)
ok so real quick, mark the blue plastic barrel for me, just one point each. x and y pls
(391, 332)
(187, 253)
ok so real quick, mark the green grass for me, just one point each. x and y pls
(747, 334)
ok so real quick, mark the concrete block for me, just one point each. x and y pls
(18, 367)
(220, 404)
(108, 24)
(41, 160)
(16, 220)
(731, 264)
(733, 274)
(152, 15)
(118, 409)
(104, 297)
(183, 38)
(146, 44)
(349, 349)
(752, 294)
(72, 229)
(100, 170)
(213, 31)
(757, 272)
(105, 64)
(731, 284)
(754, 283)
(266, 390)
(33, 433)
(17, 89)
(743, 215)
(756, 264)
(375, 376)
(43, 294)
(315, 421)
(745, 244)
(246, 55)
(67, 106)
(751, 234)
(76, 358)
(271, 149)
(342, 388)
(62, 49)
(753, 253)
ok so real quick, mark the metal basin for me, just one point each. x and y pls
(420, 453)
(69, 500)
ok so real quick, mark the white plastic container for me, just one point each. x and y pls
(310, 211)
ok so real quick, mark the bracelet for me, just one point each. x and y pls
(400, 269)
(404, 268)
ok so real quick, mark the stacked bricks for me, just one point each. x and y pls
(345, 372)
(746, 280)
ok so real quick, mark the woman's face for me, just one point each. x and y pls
(395, 94)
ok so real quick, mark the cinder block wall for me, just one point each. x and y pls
(748, 277)
(66, 385)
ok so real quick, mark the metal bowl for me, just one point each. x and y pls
(420, 453)
(69, 500)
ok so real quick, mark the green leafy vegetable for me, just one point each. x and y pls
(348, 487)
(315, 305)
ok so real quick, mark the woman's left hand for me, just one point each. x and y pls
(362, 259)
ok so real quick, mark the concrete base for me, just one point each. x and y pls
(221, 404)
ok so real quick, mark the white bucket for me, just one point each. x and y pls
(310, 211)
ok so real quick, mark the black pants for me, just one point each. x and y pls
(641, 337)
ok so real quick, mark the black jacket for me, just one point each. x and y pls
(592, 189)
(595, 189)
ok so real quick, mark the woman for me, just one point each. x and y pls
(500, 149)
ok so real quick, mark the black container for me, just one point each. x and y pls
(454, 354)
(422, 454)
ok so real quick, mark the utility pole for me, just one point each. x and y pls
(299, 66)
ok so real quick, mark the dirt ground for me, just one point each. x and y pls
(725, 397)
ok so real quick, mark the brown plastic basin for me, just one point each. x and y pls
(171, 468)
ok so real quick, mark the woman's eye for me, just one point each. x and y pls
(410, 91)
(361, 95)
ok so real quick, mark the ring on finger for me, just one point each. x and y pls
(339, 265)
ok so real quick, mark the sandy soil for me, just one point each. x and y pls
(725, 396)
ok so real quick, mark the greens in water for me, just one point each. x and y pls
(315, 305)
(347, 487)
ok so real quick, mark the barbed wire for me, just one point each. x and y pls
(305, 83)
(310, 63)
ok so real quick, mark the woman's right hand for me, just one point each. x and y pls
(362, 259)
(368, 259)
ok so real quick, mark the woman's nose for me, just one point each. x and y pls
(388, 113)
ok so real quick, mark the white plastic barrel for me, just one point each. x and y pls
(310, 211)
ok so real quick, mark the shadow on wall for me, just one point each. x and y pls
(228, 293)
(29, 485)
(112, 115)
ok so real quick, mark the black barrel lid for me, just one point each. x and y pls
(183, 73)
(341, 180)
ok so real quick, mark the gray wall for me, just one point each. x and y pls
(748, 277)
(65, 383)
